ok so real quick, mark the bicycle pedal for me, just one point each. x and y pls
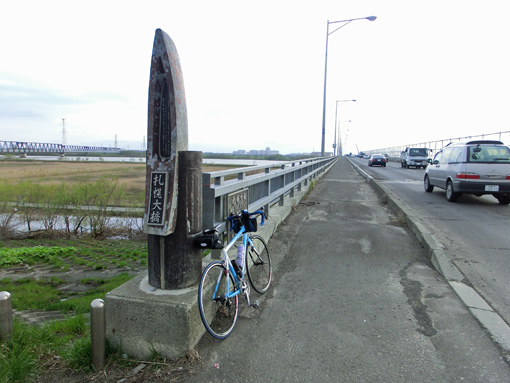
(255, 304)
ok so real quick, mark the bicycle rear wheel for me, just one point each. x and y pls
(258, 264)
(218, 309)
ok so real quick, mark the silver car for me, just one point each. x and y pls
(474, 167)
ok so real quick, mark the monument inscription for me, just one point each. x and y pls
(157, 202)
(165, 126)
(237, 201)
(167, 135)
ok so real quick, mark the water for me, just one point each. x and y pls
(19, 224)
(249, 162)
(218, 161)
(91, 159)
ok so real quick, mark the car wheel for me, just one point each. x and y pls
(503, 199)
(451, 195)
(426, 184)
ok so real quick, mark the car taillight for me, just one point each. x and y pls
(508, 177)
(467, 176)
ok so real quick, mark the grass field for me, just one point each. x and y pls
(131, 174)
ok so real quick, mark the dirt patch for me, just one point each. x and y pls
(127, 371)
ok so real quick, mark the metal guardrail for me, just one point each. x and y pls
(437, 145)
(38, 147)
(266, 185)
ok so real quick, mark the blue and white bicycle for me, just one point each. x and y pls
(224, 280)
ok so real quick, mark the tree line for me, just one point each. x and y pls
(82, 207)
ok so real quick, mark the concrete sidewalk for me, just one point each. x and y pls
(355, 298)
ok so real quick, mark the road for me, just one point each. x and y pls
(354, 299)
(474, 231)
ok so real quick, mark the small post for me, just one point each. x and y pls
(6, 327)
(98, 333)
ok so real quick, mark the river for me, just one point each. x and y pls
(218, 161)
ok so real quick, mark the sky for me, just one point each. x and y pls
(254, 71)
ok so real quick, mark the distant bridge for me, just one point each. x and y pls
(38, 147)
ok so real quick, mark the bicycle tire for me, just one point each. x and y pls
(258, 266)
(219, 315)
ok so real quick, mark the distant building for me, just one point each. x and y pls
(266, 152)
(270, 152)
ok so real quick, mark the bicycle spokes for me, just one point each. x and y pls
(218, 300)
(258, 265)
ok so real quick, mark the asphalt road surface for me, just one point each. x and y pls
(354, 299)
(473, 231)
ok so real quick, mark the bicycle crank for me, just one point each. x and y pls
(245, 288)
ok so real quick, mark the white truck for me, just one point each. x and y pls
(416, 157)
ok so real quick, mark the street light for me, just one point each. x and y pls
(336, 110)
(340, 146)
(345, 22)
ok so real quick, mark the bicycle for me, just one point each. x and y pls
(224, 280)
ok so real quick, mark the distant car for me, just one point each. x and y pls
(377, 160)
(474, 167)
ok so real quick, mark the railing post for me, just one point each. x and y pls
(98, 333)
(6, 326)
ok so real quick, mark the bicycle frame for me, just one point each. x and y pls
(228, 263)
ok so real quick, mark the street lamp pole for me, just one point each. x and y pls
(345, 22)
(335, 146)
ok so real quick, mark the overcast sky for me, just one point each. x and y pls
(254, 71)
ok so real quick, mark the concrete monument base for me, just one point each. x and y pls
(142, 320)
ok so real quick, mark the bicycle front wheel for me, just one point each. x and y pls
(217, 304)
(258, 264)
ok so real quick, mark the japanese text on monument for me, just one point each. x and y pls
(157, 202)
(165, 140)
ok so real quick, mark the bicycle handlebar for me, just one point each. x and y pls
(233, 217)
(260, 212)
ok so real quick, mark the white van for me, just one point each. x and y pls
(416, 157)
(474, 167)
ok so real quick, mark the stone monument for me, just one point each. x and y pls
(171, 214)
(158, 310)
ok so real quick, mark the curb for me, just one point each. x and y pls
(490, 320)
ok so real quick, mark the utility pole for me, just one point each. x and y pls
(64, 133)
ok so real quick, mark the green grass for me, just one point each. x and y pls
(62, 253)
(67, 342)
(30, 347)
(33, 255)
(29, 294)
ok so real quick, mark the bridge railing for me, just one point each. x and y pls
(39, 147)
(265, 186)
(437, 145)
